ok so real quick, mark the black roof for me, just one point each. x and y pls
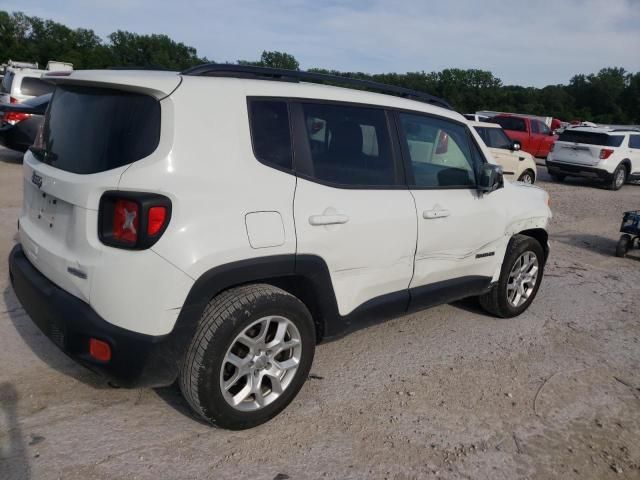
(280, 74)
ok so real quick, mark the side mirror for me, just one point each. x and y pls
(490, 178)
(515, 146)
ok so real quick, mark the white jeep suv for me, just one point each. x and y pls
(213, 226)
(611, 155)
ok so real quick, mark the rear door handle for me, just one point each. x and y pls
(429, 214)
(334, 219)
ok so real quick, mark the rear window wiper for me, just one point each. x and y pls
(43, 155)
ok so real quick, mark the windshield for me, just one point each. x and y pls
(494, 137)
(591, 138)
(90, 130)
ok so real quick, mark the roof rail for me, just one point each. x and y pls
(280, 74)
(629, 129)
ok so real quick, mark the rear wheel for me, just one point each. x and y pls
(250, 356)
(527, 177)
(623, 245)
(618, 178)
(520, 278)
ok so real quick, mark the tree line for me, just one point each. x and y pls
(611, 95)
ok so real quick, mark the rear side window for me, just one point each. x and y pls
(440, 152)
(494, 137)
(6, 82)
(35, 87)
(271, 133)
(591, 138)
(511, 123)
(634, 141)
(90, 130)
(349, 145)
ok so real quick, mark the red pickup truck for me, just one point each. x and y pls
(533, 134)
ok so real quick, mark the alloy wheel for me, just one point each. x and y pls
(522, 279)
(260, 363)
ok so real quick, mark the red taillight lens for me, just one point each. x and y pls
(155, 222)
(15, 117)
(126, 221)
(605, 153)
(99, 350)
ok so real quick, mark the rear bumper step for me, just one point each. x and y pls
(137, 360)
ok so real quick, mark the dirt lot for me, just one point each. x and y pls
(446, 393)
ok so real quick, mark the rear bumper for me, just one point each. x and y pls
(562, 168)
(137, 360)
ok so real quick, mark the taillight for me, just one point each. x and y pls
(157, 218)
(132, 220)
(605, 153)
(126, 221)
(15, 117)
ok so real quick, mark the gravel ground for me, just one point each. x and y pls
(446, 393)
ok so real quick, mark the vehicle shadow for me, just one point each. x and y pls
(593, 243)
(14, 463)
(10, 156)
(172, 396)
(44, 348)
(470, 304)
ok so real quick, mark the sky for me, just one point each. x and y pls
(529, 43)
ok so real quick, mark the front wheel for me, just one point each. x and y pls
(520, 278)
(250, 356)
(623, 245)
(527, 177)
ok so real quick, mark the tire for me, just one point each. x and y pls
(528, 176)
(623, 245)
(618, 179)
(558, 177)
(242, 311)
(497, 301)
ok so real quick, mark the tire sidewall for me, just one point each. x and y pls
(616, 172)
(210, 396)
(526, 245)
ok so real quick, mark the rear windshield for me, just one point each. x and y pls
(35, 87)
(591, 138)
(91, 130)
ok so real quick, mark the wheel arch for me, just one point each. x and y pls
(304, 276)
(541, 235)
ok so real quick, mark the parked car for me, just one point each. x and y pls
(23, 81)
(534, 135)
(516, 164)
(19, 123)
(172, 228)
(611, 155)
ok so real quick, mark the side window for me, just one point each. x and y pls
(634, 141)
(35, 86)
(535, 126)
(439, 151)
(511, 123)
(349, 145)
(544, 130)
(270, 132)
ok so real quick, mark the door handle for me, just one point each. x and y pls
(334, 219)
(429, 214)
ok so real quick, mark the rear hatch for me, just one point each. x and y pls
(584, 147)
(93, 130)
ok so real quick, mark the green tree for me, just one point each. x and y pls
(274, 60)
